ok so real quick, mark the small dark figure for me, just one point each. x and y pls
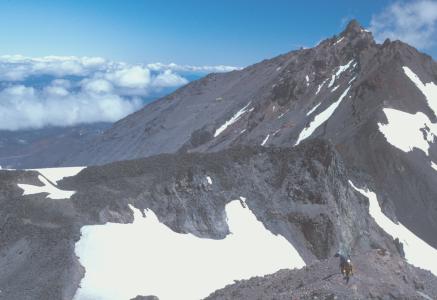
(346, 267)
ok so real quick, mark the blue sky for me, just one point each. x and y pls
(64, 63)
(196, 32)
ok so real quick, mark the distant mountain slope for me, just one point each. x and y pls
(52, 106)
(36, 148)
(277, 95)
(375, 102)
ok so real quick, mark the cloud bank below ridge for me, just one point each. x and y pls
(69, 90)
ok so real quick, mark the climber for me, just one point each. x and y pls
(346, 267)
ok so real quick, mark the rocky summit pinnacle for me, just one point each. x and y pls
(353, 27)
(354, 31)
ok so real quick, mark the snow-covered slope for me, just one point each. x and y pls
(407, 131)
(417, 251)
(147, 258)
(428, 89)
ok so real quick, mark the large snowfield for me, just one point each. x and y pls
(148, 258)
(417, 252)
(407, 131)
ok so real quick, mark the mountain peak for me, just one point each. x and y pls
(353, 27)
(356, 34)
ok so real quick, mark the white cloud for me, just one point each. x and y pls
(54, 90)
(97, 86)
(413, 22)
(168, 78)
(61, 83)
(25, 107)
(17, 67)
(137, 77)
(80, 89)
(188, 68)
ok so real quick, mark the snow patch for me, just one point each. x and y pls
(331, 83)
(417, 252)
(320, 119)
(343, 68)
(313, 109)
(53, 191)
(56, 174)
(335, 88)
(265, 140)
(340, 70)
(320, 86)
(408, 131)
(434, 165)
(148, 258)
(307, 79)
(232, 120)
(429, 90)
(281, 115)
(276, 132)
(209, 179)
(49, 177)
(339, 40)
(352, 80)
(424, 295)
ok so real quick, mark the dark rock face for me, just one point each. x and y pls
(36, 243)
(378, 275)
(322, 215)
(318, 231)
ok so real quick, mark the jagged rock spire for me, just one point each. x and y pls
(357, 35)
(353, 27)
